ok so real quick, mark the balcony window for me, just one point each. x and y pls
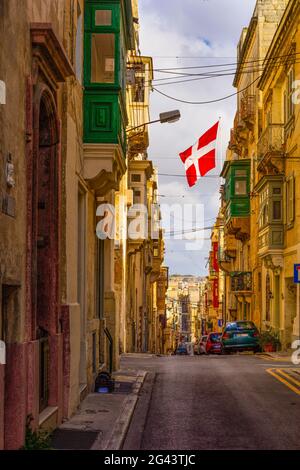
(271, 223)
(241, 173)
(136, 197)
(103, 58)
(289, 105)
(277, 212)
(290, 197)
(139, 90)
(103, 18)
(237, 188)
(136, 178)
(240, 188)
(265, 215)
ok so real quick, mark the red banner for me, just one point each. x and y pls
(216, 293)
(215, 256)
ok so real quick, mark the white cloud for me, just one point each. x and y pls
(193, 28)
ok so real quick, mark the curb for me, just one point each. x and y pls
(122, 424)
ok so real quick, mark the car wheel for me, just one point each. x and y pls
(225, 352)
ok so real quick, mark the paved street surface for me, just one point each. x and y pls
(215, 402)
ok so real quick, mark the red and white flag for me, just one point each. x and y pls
(201, 157)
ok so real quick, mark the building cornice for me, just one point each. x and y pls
(246, 45)
(104, 167)
(49, 53)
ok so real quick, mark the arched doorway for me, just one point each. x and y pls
(45, 242)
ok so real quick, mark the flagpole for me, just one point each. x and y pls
(221, 146)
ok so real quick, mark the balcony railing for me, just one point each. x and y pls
(241, 282)
(271, 141)
(223, 256)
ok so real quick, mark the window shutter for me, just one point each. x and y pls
(290, 199)
(285, 107)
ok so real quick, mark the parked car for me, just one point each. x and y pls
(213, 344)
(240, 336)
(196, 347)
(181, 350)
(202, 344)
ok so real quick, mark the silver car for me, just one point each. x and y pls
(202, 344)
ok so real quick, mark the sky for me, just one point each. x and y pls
(178, 34)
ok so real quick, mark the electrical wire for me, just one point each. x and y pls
(208, 76)
(207, 102)
(270, 59)
(179, 232)
(184, 176)
(213, 193)
(258, 67)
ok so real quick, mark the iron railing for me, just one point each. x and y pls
(271, 140)
(241, 282)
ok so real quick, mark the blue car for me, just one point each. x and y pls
(181, 350)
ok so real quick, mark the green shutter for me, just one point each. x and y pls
(105, 114)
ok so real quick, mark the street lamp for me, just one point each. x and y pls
(169, 116)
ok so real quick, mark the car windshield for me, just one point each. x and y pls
(215, 337)
(241, 325)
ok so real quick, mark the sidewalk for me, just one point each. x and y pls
(102, 420)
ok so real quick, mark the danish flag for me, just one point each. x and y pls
(201, 157)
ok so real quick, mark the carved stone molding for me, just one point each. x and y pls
(48, 54)
(104, 166)
(274, 261)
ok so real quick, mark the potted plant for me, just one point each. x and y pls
(269, 340)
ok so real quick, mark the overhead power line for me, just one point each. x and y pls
(182, 77)
(195, 230)
(210, 101)
(184, 176)
(270, 59)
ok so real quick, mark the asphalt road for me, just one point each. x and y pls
(214, 402)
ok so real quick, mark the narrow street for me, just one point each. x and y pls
(215, 402)
(149, 228)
